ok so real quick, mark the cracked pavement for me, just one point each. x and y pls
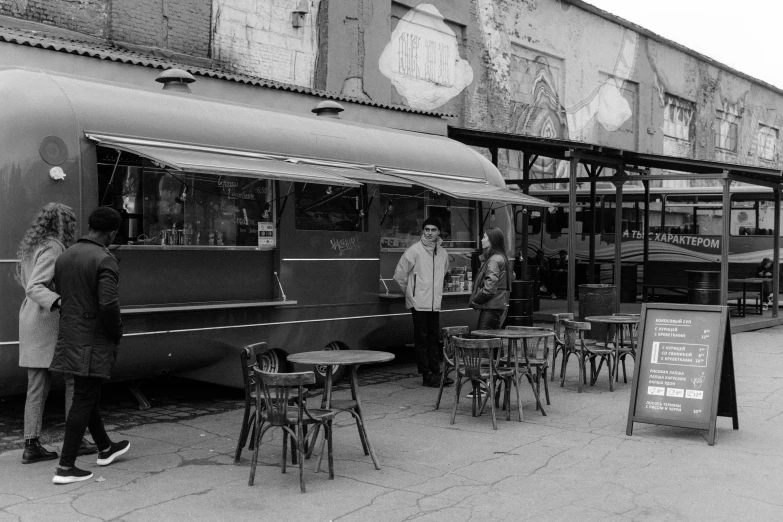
(575, 462)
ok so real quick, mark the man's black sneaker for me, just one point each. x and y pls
(117, 448)
(69, 476)
(446, 382)
(429, 380)
(34, 452)
(86, 448)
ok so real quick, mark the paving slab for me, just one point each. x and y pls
(575, 462)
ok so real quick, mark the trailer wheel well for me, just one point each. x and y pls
(337, 372)
(274, 361)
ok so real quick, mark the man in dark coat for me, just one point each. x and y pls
(86, 277)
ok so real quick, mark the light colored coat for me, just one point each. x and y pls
(38, 324)
(420, 274)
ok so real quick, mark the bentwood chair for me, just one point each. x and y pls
(559, 343)
(574, 344)
(278, 390)
(603, 352)
(448, 354)
(537, 358)
(250, 359)
(474, 362)
(627, 344)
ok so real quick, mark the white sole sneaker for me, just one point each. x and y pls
(105, 461)
(70, 479)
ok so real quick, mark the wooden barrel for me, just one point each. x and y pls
(703, 287)
(520, 304)
(596, 300)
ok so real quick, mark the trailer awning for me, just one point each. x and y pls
(470, 190)
(226, 162)
(356, 172)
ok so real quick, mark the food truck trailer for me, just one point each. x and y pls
(240, 224)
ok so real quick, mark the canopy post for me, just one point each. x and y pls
(724, 260)
(776, 256)
(574, 164)
(618, 240)
(523, 247)
(646, 231)
(593, 232)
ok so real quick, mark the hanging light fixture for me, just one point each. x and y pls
(329, 190)
(183, 196)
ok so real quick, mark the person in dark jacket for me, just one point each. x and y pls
(765, 270)
(86, 276)
(492, 287)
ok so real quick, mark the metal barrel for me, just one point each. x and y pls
(703, 287)
(596, 300)
(520, 304)
(628, 283)
(534, 274)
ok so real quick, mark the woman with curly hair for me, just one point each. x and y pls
(52, 232)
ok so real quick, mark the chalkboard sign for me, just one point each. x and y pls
(684, 371)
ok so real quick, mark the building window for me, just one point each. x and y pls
(767, 138)
(182, 208)
(726, 131)
(678, 126)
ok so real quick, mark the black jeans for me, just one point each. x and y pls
(426, 329)
(84, 414)
(489, 319)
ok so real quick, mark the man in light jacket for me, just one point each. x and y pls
(86, 277)
(420, 274)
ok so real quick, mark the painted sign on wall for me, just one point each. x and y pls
(422, 60)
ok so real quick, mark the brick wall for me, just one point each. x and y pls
(86, 16)
(182, 26)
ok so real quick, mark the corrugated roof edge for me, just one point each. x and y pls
(107, 51)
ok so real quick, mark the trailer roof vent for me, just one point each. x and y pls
(175, 80)
(328, 109)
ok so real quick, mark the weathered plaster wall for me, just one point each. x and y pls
(561, 71)
(258, 38)
(538, 67)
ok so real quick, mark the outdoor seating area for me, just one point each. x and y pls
(488, 363)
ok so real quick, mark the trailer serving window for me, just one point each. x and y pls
(404, 209)
(162, 207)
(323, 207)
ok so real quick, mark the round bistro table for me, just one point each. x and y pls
(352, 359)
(514, 336)
(623, 327)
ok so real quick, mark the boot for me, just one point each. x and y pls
(34, 452)
(86, 448)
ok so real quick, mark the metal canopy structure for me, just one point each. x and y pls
(627, 166)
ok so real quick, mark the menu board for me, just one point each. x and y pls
(683, 366)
